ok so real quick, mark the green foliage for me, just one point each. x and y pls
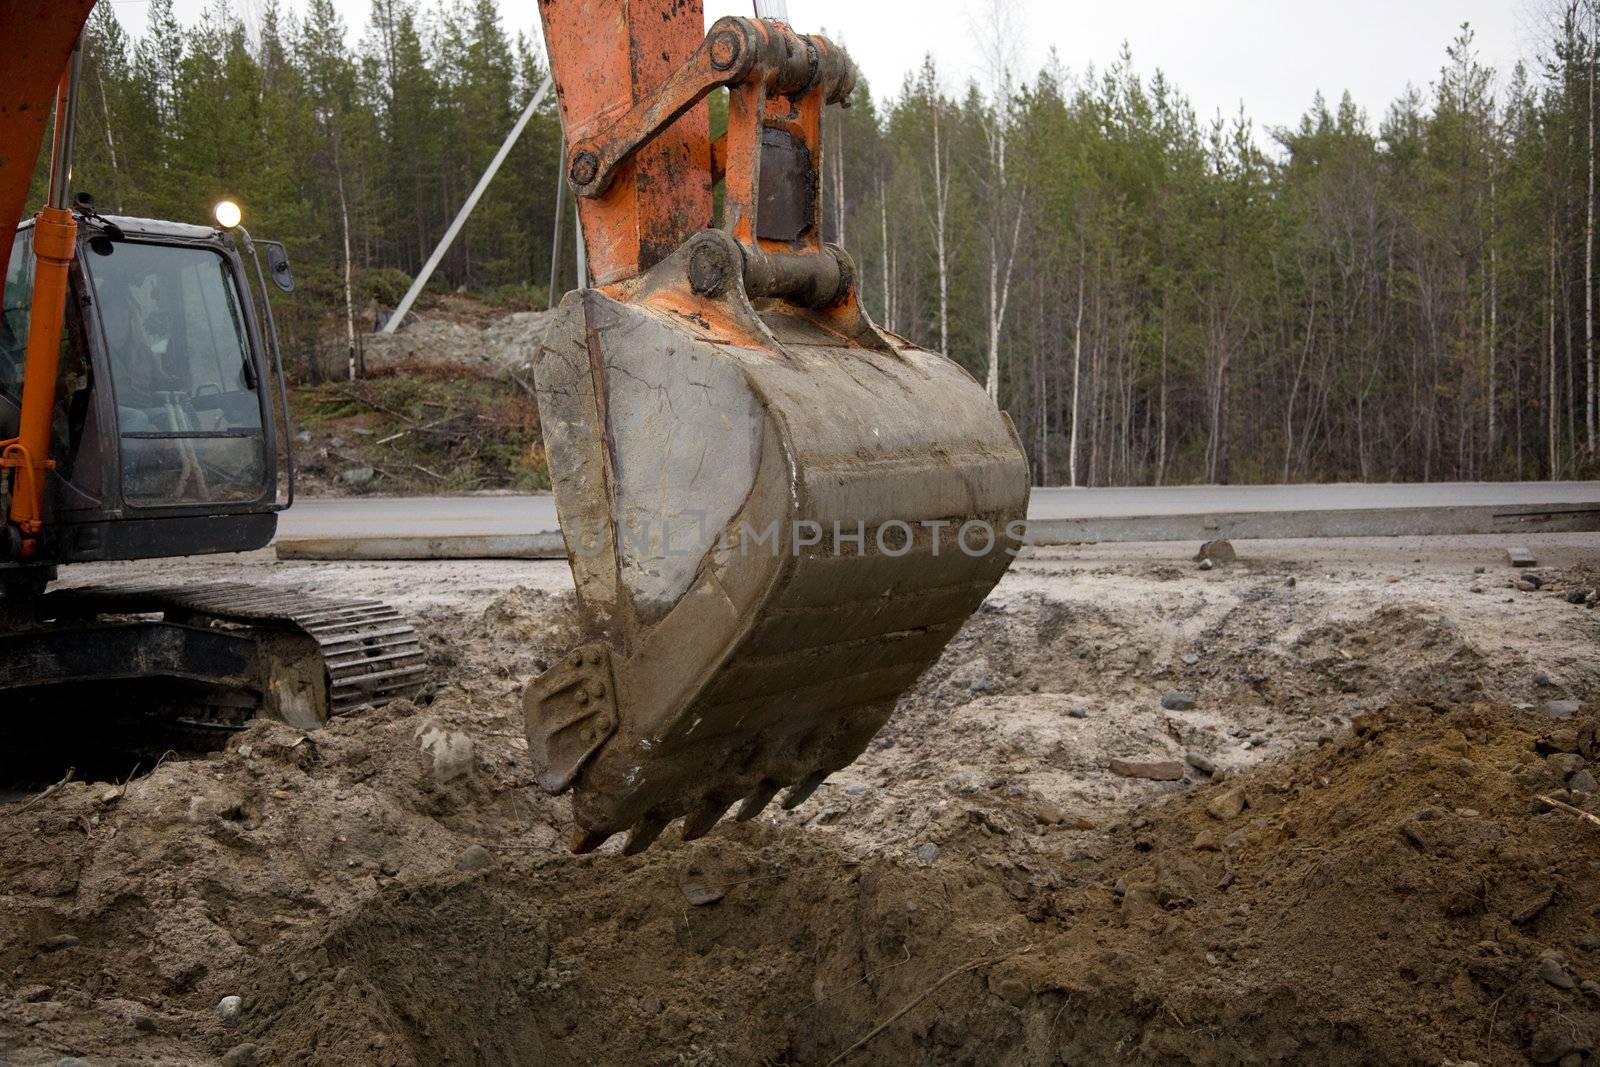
(1396, 299)
(385, 286)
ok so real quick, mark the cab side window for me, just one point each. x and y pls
(15, 307)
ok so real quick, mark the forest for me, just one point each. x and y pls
(1156, 297)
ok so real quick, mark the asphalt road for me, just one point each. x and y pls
(366, 517)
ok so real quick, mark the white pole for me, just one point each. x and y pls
(466, 210)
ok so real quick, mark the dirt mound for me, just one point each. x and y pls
(1398, 897)
(395, 890)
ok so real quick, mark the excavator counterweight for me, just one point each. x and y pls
(777, 515)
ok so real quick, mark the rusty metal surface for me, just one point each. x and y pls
(684, 427)
(605, 56)
(751, 500)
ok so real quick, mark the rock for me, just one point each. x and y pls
(1190, 658)
(1208, 841)
(1577, 596)
(980, 684)
(1207, 564)
(303, 437)
(58, 943)
(145, 1024)
(475, 858)
(1528, 584)
(1477, 588)
(502, 344)
(927, 852)
(1564, 764)
(449, 751)
(1291, 582)
(230, 1008)
(357, 475)
(1177, 700)
(1559, 709)
(1226, 804)
(1554, 1041)
(1050, 815)
(1201, 762)
(1583, 782)
(245, 1055)
(1554, 972)
(1077, 711)
(1540, 678)
(32, 994)
(1217, 551)
(72, 1061)
(1149, 770)
(1480, 570)
(855, 790)
(701, 892)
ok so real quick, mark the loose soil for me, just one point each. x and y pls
(1369, 877)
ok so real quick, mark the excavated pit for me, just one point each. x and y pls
(1374, 880)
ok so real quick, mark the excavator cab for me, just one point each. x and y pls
(164, 431)
(141, 399)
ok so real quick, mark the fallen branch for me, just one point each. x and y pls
(524, 386)
(1569, 809)
(374, 405)
(919, 998)
(31, 801)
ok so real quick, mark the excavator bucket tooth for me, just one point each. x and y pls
(757, 802)
(586, 841)
(799, 794)
(776, 520)
(643, 835)
(699, 822)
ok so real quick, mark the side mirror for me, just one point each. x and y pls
(278, 265)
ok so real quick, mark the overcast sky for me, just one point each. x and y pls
(1271, 55)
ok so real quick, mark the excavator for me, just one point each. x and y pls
(776, 513)
(141, 400)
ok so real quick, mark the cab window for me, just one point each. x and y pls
(14, 308)
(188, 408)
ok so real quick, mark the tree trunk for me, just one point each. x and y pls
(941, 191)
(1077, 376)
(349, 295)
(1161, 432)
(1552, 413)
(1588, 266)
(883, 221)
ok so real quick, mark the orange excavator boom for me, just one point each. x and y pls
(38, 49)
